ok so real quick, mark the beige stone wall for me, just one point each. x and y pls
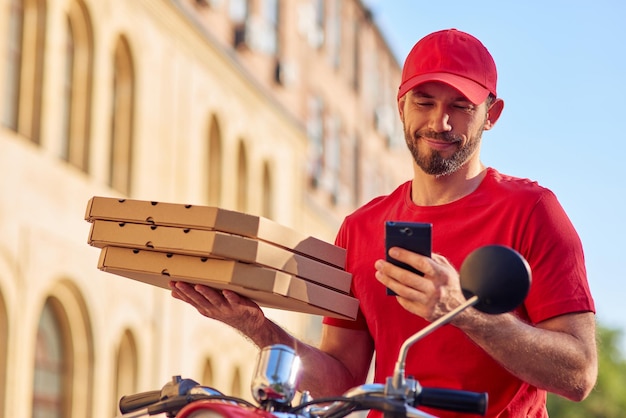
(184, 80)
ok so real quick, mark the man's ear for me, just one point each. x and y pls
(493, 113)
(401, 101)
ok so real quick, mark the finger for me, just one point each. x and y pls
(391, 272)
(233, 298)
(178, 290)
(440, 260)
(404, 283)
(420, 262)
(214, 296)
(190, 293)
(236, 299)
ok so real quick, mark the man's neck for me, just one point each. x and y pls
(429, 190)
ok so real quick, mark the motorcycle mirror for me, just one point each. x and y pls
(498, 275)
(275, 379)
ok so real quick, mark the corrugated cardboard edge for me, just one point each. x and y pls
(216, 244)
(208, 217)
(266, 287)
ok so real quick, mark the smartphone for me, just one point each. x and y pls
(413, 236)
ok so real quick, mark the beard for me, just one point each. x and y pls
(432, 162)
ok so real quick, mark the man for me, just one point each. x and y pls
(447, 98)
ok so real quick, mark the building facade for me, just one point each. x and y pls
(283, 109)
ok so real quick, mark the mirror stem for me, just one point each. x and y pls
(398, 373)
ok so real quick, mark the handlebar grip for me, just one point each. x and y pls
(453, 400)
(130, 403)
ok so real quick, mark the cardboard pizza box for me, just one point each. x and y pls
(215, 244)
(267, 287)
(213, 218)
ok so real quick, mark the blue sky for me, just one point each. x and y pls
(562, 75)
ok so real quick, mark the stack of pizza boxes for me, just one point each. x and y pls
(277, 267)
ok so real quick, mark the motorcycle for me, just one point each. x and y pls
(495, 279)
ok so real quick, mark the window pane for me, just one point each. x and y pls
(68, 80)
(49, 367)
(13, 66)
(122, 119)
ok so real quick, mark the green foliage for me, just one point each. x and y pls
(608, 399)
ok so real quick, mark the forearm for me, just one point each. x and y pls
(321, 374)
(560, 362)
(263, 332)
(326, 371)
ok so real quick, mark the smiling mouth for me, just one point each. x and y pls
(438, 144)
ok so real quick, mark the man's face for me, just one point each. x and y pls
(442, 128)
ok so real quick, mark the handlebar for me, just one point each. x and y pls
(137, 401)
(453, 400)
(363, 397)
(172, 397)
(372, 396)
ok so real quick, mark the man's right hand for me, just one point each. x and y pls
(226, 306)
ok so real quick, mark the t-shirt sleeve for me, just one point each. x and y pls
(341, 240)
(555, 253)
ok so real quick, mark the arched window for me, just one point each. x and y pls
(126, 369)
(77, 87)
(4, 338)
(267, 209)
(23, 83)
(315, 132)
(122, 118)
(13, 65)
(235, 387)
(332, 157)
(68, 76)
(64, 356)
(207, 373)
(356, 175)
(215, 164)
(242, 178)
(52, 380)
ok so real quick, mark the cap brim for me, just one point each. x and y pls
(474, 92)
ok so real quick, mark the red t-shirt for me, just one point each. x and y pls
(503, 210)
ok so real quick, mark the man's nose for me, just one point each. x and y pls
(440, 121)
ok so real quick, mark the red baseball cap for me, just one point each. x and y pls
(452, 57)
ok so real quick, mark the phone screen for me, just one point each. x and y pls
(413, 236)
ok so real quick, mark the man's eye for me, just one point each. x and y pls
(464, 106)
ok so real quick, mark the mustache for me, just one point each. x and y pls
(439, 136)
